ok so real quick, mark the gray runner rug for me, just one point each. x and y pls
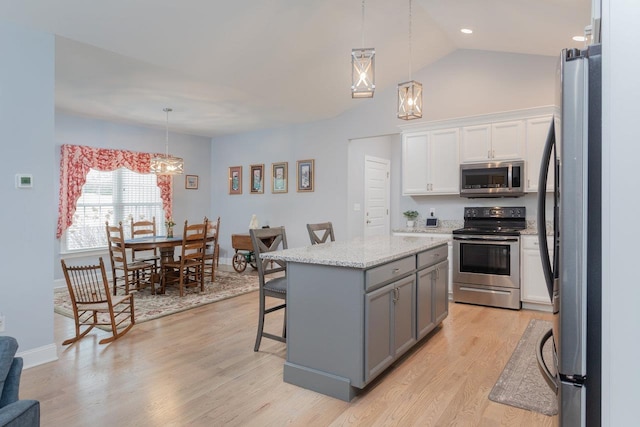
(521, 383)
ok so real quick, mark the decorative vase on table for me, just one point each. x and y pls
(169, 231)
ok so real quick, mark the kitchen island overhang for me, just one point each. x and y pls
(354, 307)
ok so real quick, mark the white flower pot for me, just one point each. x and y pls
(410, 223)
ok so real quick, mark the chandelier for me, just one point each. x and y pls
(363, 69)
(167, 165)
(410, 92)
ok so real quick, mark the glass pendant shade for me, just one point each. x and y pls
(363, 72)
(409, 100)
(167, 165)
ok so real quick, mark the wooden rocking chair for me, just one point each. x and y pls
(91, 296)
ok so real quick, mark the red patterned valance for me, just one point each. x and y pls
(75, 162)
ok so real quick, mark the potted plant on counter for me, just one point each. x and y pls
(411, 217)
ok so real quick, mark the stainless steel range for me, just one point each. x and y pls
(486, 257)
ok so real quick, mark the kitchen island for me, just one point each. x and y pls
(355, 307)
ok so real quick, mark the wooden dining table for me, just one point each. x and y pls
(166, 245)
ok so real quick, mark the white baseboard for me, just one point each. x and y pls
(39, 356)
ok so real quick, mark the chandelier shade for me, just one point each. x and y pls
(363, 65)
(363, 72)
(409, 100)
(410, 92)
(167, 165)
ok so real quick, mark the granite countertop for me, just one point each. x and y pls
(359, 252)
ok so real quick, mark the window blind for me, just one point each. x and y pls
(114, 196)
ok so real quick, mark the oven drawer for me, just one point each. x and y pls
(391, 271)
(487, 295)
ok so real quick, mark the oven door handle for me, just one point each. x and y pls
(487, 239)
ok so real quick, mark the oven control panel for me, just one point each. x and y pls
(495, 212)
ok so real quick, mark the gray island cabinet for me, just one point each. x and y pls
(354, 307)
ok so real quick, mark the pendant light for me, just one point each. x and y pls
(363, 69)
(409, 93)
(167, 165)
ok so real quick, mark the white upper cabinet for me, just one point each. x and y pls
(537, 130)
(432, 152)
(430, 163)
(493, 142)
(476, 143)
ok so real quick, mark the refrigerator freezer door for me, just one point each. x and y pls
(572, 400)
(573, 223)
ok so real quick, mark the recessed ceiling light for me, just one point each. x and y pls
(579, 38)
(466, 31)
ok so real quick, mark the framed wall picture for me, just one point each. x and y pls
(279, 179)
(257, 179)
(235, 180)
(191, 182)
(306, 175)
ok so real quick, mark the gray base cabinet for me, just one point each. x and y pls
(389, 324)
(346, 325)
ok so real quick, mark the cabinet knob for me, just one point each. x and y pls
(395, 271)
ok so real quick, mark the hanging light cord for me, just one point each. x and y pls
(362, 23)
(410, 53)
(167, 110)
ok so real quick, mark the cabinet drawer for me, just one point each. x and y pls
(530, 242)
(391, 271)
(432, 256)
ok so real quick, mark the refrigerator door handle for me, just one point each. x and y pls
(551, 379)
(541, 217)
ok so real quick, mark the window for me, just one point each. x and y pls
(112, 196)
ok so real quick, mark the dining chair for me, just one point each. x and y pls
(269, 240)
(212, 248)
(93, 304)
(144, 228)
(188, 270)
(133, 274)
(319, 233)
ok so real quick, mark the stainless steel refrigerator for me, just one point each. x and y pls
(572, 156)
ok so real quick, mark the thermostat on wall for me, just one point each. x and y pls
(431, 222)
(24, 180)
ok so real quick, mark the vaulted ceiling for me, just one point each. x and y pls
(235, 66)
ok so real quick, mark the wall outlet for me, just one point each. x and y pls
(2, 322)
(432, 211)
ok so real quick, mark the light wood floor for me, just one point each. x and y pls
(198, 368)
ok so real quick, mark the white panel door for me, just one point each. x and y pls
(476, 143)
(415, 152)
(507, 140)
(443, 161)
(376, 196)
(537, 130)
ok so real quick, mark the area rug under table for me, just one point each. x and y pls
(521, 383)
(148, 306)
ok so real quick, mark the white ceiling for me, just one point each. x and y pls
(235, 66)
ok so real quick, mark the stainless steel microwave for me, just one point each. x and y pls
(495, 179)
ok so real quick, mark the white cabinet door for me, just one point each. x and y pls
(430, 162)
(475, 144)
(444, 164)
(537, 130)
(534, 287)
(415, 152)
(493, 141)
(507, 140)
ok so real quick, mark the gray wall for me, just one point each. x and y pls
(463, 83)
(621, 151)
(28, 216)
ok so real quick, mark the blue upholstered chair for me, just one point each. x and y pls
(14, 412)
